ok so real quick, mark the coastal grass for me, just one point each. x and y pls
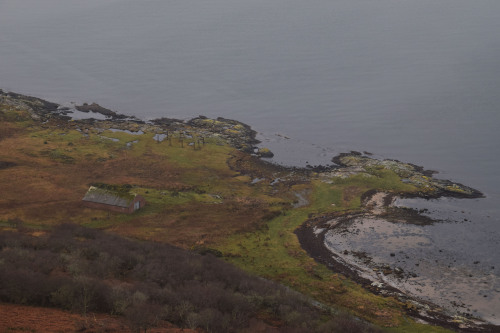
(274, 252)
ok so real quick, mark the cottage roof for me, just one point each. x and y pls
(109, 197)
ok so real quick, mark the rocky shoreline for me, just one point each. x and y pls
(429, 187)
(380, 279)
(237, 134)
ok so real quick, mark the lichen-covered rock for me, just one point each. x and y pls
(265, 152)
(239, 135)
(36, 107)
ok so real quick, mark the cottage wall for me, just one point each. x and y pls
(118, 209)
(128, 210)
(140, 199)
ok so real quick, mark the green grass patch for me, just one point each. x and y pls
(379, 179)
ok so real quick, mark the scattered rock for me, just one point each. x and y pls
(265, 152)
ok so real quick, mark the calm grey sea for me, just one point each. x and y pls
(414, 80)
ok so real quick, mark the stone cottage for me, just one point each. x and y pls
(114, 199)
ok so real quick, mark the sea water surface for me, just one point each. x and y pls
(414, 80)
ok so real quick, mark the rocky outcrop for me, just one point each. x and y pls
(265, 152)
(96, 108)
(235, 133)
(429, 187)
(37, 108)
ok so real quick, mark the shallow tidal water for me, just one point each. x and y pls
(435, 269)
(414, 80)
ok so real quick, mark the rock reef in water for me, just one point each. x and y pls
(96, 108)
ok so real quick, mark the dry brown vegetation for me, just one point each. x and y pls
(88, 271)
(21, 318)
(53, 165)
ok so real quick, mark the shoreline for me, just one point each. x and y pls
(381, 279)
(241, 136)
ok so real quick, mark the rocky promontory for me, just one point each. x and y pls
(428, 186)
